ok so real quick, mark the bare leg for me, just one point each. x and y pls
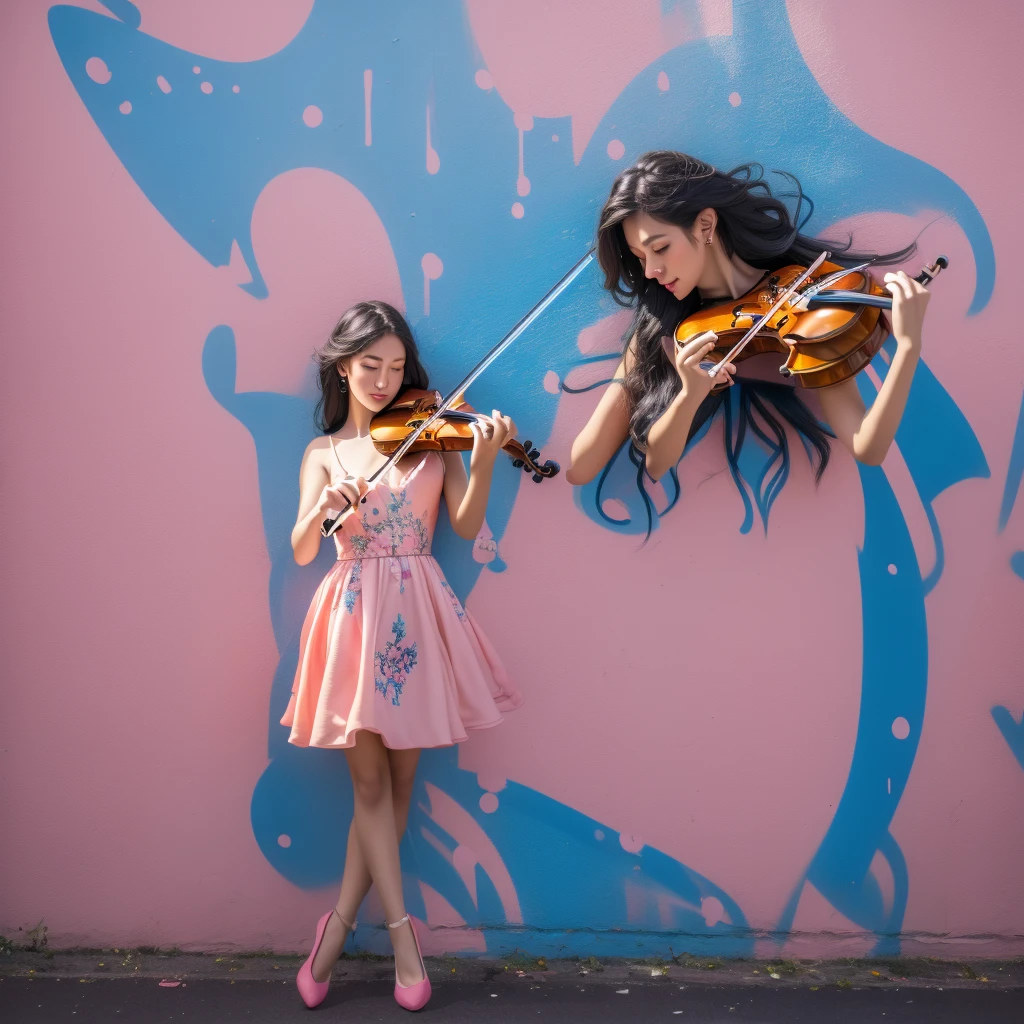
(356, 881)
(375, 828)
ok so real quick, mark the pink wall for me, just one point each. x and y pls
(699, 695)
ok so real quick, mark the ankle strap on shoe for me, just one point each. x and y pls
(350, 925)
(398, 924)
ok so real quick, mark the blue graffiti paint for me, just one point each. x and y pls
(932, 423)
(1012, 730)
(1017, 563)
(204, 159)
(894, 682)
(1013, 471)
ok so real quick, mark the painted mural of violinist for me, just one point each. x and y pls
(716, 270)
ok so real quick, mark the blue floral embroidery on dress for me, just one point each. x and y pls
(398, 523)
(456, 603)
(394, 664)
(354, 586)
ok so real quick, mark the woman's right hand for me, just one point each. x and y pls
(688, 359)
(338, 497)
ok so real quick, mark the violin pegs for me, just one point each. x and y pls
(527, 445)
(537, 478)
(517, 463)
(535, 455)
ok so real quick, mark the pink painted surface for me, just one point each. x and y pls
(961, 837)
(130, 690)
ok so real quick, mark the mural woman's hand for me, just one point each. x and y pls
(688, 359)
(909, 302)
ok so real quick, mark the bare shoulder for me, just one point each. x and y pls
(317, 452)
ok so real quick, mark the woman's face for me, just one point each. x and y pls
(375, 375)
(669, 255)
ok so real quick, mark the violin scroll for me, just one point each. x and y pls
(526, 460)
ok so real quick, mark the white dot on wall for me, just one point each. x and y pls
(312, 116)
(892, 569)
(125, 108)
(235, 88)
(195, 70)
(735, 99)
(598, 834)
(284, 841)
(207, 88)
(551, 383)
(900, 728)
(488, 803)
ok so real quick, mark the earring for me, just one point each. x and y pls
(707, 241)
(344, 385)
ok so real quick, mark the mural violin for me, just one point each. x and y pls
(826, 320)
(424, 421)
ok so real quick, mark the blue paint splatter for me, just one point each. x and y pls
(1012, 730)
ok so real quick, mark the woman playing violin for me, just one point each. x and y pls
(677, 235)
(390, 661)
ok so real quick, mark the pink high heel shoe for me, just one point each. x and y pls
(412, 997)
(314, 992)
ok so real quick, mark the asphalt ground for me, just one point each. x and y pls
(131, 986)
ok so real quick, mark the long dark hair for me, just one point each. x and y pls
(358, 328)
(754, 224)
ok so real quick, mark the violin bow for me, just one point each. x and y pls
(331, 523)
(815, 297)
(762, 320)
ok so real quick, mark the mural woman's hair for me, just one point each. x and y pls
(753, 223)
(358, 328)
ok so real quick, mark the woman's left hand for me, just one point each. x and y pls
(909, 302)
(489, 434)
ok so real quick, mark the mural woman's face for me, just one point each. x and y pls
(375, 375)
(673, 257)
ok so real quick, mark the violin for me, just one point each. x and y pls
(832, 322)
(449, 433)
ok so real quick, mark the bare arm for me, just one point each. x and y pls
(608, 427)
(666, 440)
(316, 499)
(467, 498)
(605, 431)
(868, 433)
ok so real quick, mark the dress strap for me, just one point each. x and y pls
(337, 457)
